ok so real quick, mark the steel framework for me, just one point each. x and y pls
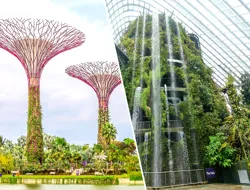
(223, 27)
(103, 77)
(34, 43)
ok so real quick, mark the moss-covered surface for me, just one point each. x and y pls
(34, 141)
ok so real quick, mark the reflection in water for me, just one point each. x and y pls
(34, 187)
(67, 187)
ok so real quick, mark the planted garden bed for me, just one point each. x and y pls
(45, 179)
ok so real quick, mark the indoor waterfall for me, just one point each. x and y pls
(170, 162)
(157, 159)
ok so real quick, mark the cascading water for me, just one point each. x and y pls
(157, 159)
(184, 164)
(170, 154)
(229, 107)
(173, 81)
(189, 106)
(136, 107)
(146, 151)
(136, 110)
(198, 174)
(171, 64)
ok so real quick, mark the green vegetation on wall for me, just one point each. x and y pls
(237, 125)
(34, 141)
(204, 109)
(245, 91)
(103, 118)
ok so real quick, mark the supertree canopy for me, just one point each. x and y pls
(103, 77)
(34, 42)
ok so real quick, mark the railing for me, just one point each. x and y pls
(174, 178)
(178, 82)
(174, 123)
(144, 125)
(147, 124)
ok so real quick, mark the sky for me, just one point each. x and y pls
(69, 106)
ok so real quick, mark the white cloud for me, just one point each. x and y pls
(76, 3)
(65, 100)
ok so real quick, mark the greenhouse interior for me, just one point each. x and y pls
(186, 71)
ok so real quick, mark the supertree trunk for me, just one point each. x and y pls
(34, 142)
(103, 117)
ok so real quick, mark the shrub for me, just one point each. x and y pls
(97, 180)
(219, 152)
(135, 176)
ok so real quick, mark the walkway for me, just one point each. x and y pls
(215, 187)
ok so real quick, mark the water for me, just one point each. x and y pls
(198, 175)
(136, 107)
(157, 159)
(67, 187)
(185, 158)
(170, 154)
(189, 106)
(184, 164)
(171, 64)
(146, 151)
(173, 79)
(228, 104)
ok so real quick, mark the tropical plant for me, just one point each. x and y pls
(219, 152)
(100, 161)
(60, 155)
(238, 124)
(108, 133)
(245, 88)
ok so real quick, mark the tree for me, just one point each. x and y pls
(21, 141)
(6, 161)
(100, 161)
(219, 152)
(245, 88)
(109, 133)
(34, 43)
(131, 163)
(48, 141)
(129, 145)
(238, 124)
(103, 77)
(2, 141)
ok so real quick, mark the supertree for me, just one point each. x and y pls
(34, 42)
(103, 77)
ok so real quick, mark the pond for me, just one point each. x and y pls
(68, 187)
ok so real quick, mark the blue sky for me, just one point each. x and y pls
(69, 106)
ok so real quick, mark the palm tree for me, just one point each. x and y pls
(21, 141)
(109, 133)
(2, 141)
(129, 145)
(99, 161)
